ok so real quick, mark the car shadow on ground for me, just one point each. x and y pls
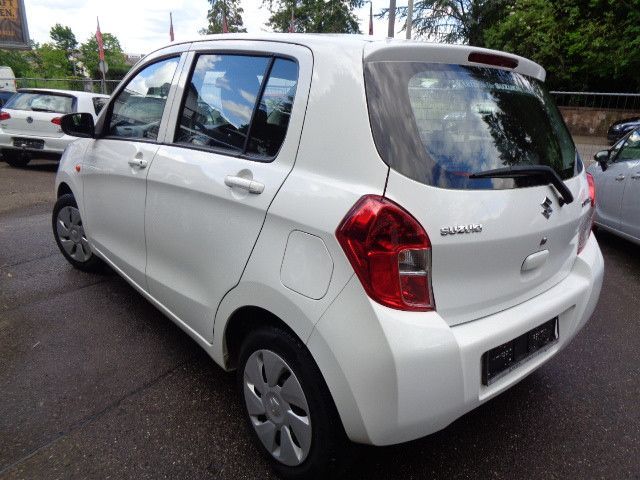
(618, 248)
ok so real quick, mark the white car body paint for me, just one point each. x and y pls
(393, 375)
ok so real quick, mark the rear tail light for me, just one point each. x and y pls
(390, 252)
(4, 116)
(56, 121)
(587, 222)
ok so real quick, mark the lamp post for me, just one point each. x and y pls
(392, 18)
(409, 19)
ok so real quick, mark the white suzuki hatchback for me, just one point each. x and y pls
(378, 236)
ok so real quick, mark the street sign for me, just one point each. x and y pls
(103, 66)
(13, 25)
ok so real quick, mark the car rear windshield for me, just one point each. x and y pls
(439, 123)
(41, 102)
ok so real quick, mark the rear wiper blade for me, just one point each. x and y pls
(36, 109)
(520, 171)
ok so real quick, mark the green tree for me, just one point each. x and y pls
(217, 12)
(17, 60)
(314, 16)
(453, 21)
(63, 38)
(113, 54)
(583, 44)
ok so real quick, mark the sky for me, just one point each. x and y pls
(143, 25)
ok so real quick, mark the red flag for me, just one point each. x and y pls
(292, 26)
(99, 40)
(171, 27)
(225, 26)
(370, 18)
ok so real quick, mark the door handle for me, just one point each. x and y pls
(250, 186)
(635, 176)
(619, 178)
(138, 163)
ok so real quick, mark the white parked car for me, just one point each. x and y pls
(616, 172)
(299, 206)
(30, 122)
(7, 79)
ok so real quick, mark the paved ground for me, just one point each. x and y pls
(96, 383)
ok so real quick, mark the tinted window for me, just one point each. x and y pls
(630, 148)
(440, 123)
(41, 102)
(99, 103)
(272, 115)
(220, 100)
(137, 110)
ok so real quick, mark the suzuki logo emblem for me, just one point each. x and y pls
(546, 208)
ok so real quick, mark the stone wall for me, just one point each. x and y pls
(593, 121)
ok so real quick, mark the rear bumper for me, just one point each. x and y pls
(396, 376)
(53, 146)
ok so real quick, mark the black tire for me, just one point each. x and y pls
(16, 158)
(92, 263)
(329, 444)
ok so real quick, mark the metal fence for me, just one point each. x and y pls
(80, 84)
(598, 100)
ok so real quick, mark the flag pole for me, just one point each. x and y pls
(102, 62)
(171, 36)
(371, 17)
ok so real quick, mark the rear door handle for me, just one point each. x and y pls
(138, 163)
(250, 186)
(619, 178)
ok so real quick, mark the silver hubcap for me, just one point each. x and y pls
(71, 234)
(277, 407)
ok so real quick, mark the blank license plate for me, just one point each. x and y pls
(499, 361)
(28, 143)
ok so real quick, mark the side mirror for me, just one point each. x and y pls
(602, 157)
(78, 125)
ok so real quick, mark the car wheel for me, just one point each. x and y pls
(68, 231)
(15, 158)
(288, 406)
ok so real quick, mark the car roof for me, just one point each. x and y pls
(374, 48)
(77, 93)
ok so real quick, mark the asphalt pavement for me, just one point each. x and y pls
(97, 383)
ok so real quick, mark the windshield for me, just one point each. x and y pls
(438, 123)
(41, 102)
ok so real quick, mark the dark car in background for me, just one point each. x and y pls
(619, 129)
(5, 96)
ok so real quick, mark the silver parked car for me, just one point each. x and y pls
(30, 122)
(617, 176)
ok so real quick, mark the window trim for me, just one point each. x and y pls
(222, 151)
(105, 119)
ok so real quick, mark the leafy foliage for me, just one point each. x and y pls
(583, 44)
(216, 13)
(113, 55)
(452, 21)
(314, 16)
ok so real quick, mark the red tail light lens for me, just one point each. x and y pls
(4, 116)
(56, 121)
(390, 252)
(592, 189)
(587, 222)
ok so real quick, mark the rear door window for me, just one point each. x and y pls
(240, 104)
(41, 102)
(439, 123)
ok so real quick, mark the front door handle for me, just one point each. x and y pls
(635, 176)
(619, 178)
(138, 163)
(250, 186)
